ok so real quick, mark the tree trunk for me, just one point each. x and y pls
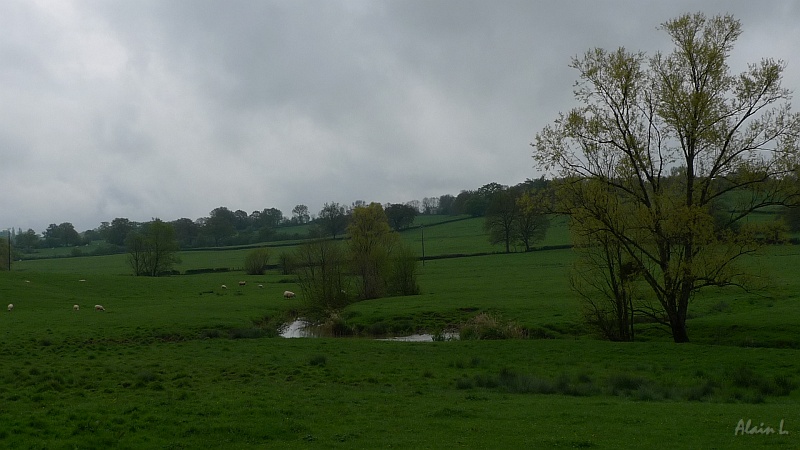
(677, 323)
(679, 335)
(676, 313)
(630, 322)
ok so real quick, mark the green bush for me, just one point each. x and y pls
(287, 263)
(255, 263)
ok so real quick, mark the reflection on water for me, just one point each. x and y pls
(424, 338)
(300, 328)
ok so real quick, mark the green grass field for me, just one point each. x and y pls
(179, 362)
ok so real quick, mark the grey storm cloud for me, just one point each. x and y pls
(169, 109)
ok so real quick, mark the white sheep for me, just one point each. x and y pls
(288, 294)
(99, 308)
(10, 307)
(224, 287)
(76, 307)
(242, 283)
(261, 286)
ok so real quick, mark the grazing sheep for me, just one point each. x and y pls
(82, 280)
(223, 287)
(242, 283)
(10, 307)
(288, 294)
(99, 308)
(76, 308)
(261, 286)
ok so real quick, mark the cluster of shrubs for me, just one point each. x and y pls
(739, 385)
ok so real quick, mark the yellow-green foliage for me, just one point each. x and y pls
(656, 148)
(370, 247)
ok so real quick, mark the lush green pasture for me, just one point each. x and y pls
(356, 393)
(530, 289)
(61, 252)
(212, 259)
(467, 236)
(118, 264)
(179, 362)
(79, 266)
(458, 237)
(141, 306)
(768, 316)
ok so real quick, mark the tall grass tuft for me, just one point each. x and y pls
(516, 383)
(487, 326)
(624, 384)
(742, 385)
(335, 326)
(746, 378)
(318, 360)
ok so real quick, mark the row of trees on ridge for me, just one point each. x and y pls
(226, 227)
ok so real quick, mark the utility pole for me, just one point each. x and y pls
(421, 227)
(9, 249)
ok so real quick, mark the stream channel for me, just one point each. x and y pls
(302, 329)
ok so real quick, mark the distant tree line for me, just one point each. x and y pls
(226, 227)
(514, 217)
(5, 261)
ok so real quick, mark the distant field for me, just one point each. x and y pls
(462, 235)
(468, 236)
(61, 252)
(179, 362)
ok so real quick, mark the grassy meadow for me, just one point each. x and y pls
(179, 362)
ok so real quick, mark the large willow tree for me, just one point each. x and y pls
(665, 159)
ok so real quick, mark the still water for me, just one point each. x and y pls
(302, 329)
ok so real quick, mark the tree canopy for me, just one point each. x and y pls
(152, 251)
(400, 216)
(333, 219)
(656, 143)
(371, 243)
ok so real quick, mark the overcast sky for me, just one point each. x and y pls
(169, 109)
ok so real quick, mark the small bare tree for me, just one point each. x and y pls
(320, 265)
